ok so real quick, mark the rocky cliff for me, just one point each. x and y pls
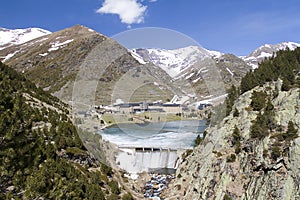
(235, 163)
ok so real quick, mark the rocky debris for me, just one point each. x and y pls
(157, 185)
(10, 188)
(84, 159)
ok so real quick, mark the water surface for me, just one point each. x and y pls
(175, 134)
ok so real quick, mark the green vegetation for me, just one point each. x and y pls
(291, 131)
(276, 151)
(285, 66)
(114, 187)
(127, 196)
(197, 141)
(231, 158)
(289, 135)
(236, 113)
(39, 146)
(186, 154)
(236, 141)
(233, 94)
(264, 122)
(258, 100)
(226, 197)
(200, 139)
(259, 128)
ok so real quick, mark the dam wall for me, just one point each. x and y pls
(140, 159)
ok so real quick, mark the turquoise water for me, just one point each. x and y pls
(175, 134)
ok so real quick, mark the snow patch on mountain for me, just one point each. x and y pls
(137, 56)
(230, 72)
(9, 56)
(57, 45)
(19, 36)
(43, 54)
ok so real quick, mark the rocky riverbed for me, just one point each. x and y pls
(157, 185)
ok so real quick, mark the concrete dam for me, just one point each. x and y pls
(139, 159)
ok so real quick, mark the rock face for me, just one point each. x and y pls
(216, 171)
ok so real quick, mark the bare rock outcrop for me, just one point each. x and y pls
(262, 168)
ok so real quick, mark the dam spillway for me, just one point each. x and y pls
(148, 159)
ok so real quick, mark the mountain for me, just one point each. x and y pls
(19, 36)
(54, 61)
(253, 153)
(54, 53)
(186, 71)
(266, 51)
(42, 155)
(174, 61)
(233, 164)
(194, 68)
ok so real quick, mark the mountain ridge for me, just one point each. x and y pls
(42, 155)
(63, 54)
(266, 51)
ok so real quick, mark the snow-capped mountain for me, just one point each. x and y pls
(266, 51)
(19, 36)
(192, 68)
(173, 61)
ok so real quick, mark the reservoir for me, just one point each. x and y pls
(152, 146)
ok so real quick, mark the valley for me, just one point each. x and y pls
(124, 121)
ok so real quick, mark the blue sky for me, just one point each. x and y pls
(230, 26)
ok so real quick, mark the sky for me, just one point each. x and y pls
(229, 26)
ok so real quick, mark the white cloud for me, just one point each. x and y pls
(129, 11)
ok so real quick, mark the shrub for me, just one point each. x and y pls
(197, 141)
(114, 187)
(258, 100)
(106, 170)
(186, 154)
(238, 147)
(127, 196)
(286, 85)
(276, 151)
(259, 127)
(236, 135)
(231, 158)
(236, 113)
(226, 197)
(291, 132)
(265, 153)
(113, 197)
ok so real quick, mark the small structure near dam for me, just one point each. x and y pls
(148, 159)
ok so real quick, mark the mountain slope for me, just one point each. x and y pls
(254, 152)
(19, 36)
(266, 51)
(231, 163)
(194, 69)
(177, 60)
(53, 62)
(42, 155)
(59, 54)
